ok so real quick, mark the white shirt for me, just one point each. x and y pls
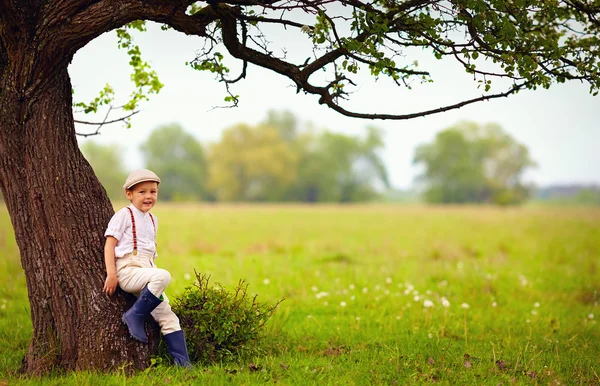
(120, 228)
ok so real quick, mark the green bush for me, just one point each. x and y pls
(218, 324)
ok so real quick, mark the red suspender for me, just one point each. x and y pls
(135, 233)
(154, 225)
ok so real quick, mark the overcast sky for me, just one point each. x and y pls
(561, 126)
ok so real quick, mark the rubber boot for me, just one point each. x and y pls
(178, 349)
(136, 315)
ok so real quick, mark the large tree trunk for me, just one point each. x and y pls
(58, 211)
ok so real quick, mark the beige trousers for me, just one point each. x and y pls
(135, 273)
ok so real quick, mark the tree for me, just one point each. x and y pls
(338, 168)
(107, 163)
(471, 163)
(251, 164)
(178, 158)
(285, 122)
(57, 206)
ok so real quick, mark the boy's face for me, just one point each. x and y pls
(143, 195)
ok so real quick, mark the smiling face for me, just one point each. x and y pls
(143, 195)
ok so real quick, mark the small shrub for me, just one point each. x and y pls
(219, 324)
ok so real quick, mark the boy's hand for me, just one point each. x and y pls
(110, 284)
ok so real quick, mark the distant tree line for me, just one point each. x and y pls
(569, 194)
(274, 161)
(277, 161)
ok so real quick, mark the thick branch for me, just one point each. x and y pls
(73, 32)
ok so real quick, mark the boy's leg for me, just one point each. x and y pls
(165, 317)
(150, 283)
(135, 279)
(171, 330)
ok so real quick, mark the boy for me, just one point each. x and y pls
(129, 255)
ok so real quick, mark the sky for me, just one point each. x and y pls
(560, 126)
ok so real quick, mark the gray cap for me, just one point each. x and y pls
(141, 175)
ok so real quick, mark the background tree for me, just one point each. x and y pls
(59, 223)
(339, 168)
(285, 122)
(178, 158)
(251, 164)
(471, 163)
(107, 162)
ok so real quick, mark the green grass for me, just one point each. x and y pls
(355, 280)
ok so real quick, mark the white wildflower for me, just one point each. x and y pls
(533, 312)
(430, 336)
(464, 305)
(321, 295)
(266, 281)
(187, 276)
(494, 304)
(342, 304)
(351, 287)
(591, 316)
(537, 304)
(365, 290)
(427, 303)
(417, 298)
(445, 302)
(314, 288)
(388, 280)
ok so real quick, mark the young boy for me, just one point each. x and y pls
(129, 255)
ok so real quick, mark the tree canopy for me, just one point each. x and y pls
(178, 158)
(507, 45)
(472, 163)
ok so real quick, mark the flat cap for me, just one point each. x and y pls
(141, 175)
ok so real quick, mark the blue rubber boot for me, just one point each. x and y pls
(136, 315)
(178, 349)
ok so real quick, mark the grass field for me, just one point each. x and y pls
(375, 294)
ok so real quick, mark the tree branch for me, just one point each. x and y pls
(75, 28)
(105, 121)
(300, 77)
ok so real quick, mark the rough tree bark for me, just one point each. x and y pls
(57, 207)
